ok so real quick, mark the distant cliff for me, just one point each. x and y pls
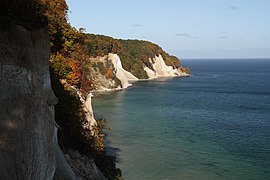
(135, 55)
(104, 63)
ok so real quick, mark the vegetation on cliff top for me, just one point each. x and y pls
(134, 54)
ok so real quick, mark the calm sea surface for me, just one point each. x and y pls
(210, 126)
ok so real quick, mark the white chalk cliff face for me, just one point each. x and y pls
(123, 75)
(161, 69)
(88, 110)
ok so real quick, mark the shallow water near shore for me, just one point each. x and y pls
(212, 125)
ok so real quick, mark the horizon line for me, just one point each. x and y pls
(212, 58)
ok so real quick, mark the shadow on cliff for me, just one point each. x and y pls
(112, 151)
(69, 115)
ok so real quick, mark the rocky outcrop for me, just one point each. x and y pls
(160, 69)
(88, 110)
(28, 133)
(155, 69)
(123, 75)
(83, 167)
(26, 98)
(107, 73)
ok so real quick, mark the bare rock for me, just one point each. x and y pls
(26, 105)
(83, 167)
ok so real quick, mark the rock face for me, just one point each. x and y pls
(160, 69)
(26, 98)
(88, 110)
(155, 69)
(83, 167)
(28, 133)
(123, 75)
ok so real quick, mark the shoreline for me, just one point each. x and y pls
(107, 90)
(109, 150)
(198, 128)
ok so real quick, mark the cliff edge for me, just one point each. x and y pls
(27, 125)
(28, 132)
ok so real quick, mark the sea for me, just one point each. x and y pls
(213, 125)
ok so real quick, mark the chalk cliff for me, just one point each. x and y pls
(160, 69)
(115, 63)
(27, 115)
(122, 78)
(28, 132)
(107, 73)
(123, 75)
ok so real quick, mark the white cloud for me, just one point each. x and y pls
(233, 7)
(183, 35)
(136, 25)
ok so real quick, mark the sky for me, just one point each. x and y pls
(185, 28)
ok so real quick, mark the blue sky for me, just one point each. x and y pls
(185, 28)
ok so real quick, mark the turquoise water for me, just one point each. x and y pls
(212, 125)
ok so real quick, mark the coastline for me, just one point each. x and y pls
(191, 126)
(109, 152)
(104, 91)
